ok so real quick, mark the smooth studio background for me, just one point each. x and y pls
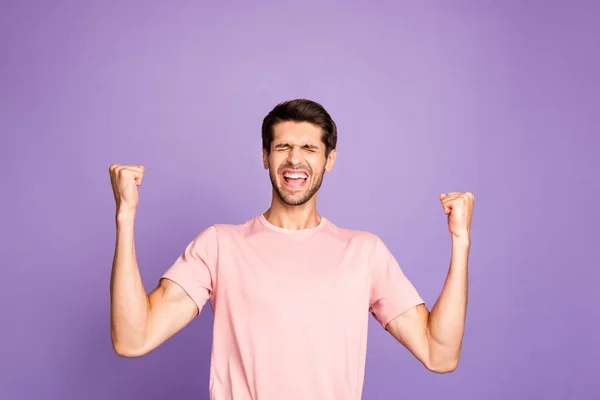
(497, 98)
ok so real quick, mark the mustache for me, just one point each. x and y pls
(294, 168)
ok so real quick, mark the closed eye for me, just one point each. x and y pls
(282, 146)
(308, 147)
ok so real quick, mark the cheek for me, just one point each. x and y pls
(316, 163)
(273, 164)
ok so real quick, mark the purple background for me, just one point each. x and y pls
(497, 98)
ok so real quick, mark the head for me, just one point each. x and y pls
(299, 144)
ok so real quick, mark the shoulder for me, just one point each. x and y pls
(242, 228)
(210, 237)
(206, 237)
(224, 231)
(360, 237)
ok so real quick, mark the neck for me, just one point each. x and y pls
(289, 217)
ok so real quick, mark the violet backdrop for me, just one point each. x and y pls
(498, 98)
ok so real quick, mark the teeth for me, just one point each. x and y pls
(295, 176)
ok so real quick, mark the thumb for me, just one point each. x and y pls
(138, 177)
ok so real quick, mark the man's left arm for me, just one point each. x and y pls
(435, 338)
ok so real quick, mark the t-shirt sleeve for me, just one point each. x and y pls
(391, 292)
(194, 269)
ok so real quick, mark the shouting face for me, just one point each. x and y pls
(297, 161)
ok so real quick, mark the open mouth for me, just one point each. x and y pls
(295, 179)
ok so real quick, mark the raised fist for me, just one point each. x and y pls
(125, 180)
(459, 208)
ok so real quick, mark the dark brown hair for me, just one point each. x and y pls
(300, 110)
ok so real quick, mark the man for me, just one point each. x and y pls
(291, 291)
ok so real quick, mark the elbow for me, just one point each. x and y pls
(443, 359)
(127, 351)
(443, 367)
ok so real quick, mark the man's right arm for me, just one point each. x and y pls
(139, 322)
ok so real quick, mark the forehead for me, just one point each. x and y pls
(297, 133)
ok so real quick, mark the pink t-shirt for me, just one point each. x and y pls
(291, 308)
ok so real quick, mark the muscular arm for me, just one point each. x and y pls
(435, 338)
(141, 322)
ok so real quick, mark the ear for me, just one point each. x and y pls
(265, 158)
(330, 160)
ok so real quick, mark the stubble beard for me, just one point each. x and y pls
(296, 199)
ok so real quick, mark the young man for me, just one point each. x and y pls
(290, 290)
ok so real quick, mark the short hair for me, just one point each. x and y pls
(300, 110)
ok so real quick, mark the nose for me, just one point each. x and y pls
(295, 155)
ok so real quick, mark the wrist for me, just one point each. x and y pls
(462, 240)
(125, 214)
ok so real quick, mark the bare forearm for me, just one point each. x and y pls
(446, 323)
(129, 300)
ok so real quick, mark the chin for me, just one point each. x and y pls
(295, 199)
(295, 202)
